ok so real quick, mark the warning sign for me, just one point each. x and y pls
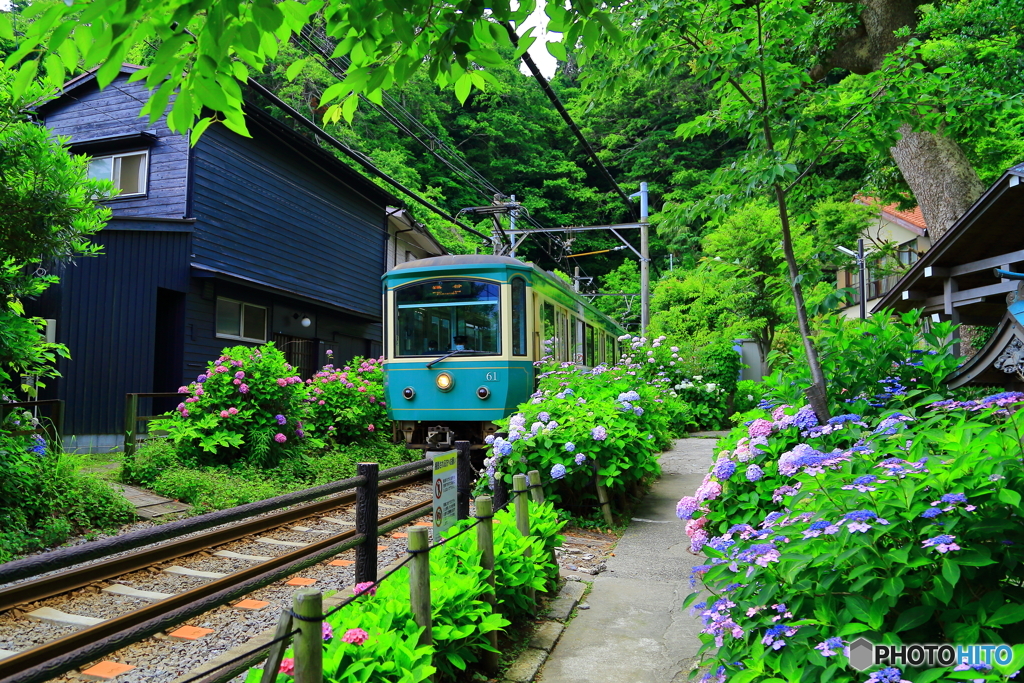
(445, 491)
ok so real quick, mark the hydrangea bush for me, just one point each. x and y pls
(900, 527)
(250, 404)
(347, 404)
(613, 420)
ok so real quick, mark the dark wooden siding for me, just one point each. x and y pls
(266, 213)
(108, 322)
(89, 113)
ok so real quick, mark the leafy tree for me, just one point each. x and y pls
(47, 213)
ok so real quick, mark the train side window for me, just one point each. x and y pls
(550, 332)
(591, 356)
(518, 316)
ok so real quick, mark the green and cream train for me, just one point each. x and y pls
(461, 336)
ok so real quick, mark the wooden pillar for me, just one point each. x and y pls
(366, 523)
(419, 582)
(273, 663)
(485, 543)
(536, 490)
(522, 501)
(464, 476)
(131, 412)
(949, 287)
(309, 642)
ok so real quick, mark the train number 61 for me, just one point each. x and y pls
(491, 377)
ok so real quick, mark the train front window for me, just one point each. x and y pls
(440, 316)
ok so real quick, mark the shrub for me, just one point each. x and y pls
(348, 404)
(149, 460)
(748, 395)
(899, 528)
(381, 643)
(243, 407)
(608, 419)
(215, 489)
(340, 462)
(44, 498)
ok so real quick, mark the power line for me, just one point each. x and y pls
(546, 87)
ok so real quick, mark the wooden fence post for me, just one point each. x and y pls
(464, 473)
(602, 498)
(366, 522)
(273, 663)
(57, 419)
(131, 411)
(500, 493)
(307, 604)
(523, 519)
(537, 493)
(419, 582)
(536, 490)
(485, 544)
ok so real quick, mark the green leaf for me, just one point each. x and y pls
(557, 50)
(950, 571)
(463, 87)
(294, 69)
(913, 617)
(1007, 614)
(6, 29)
(24, 78)
(1010, 497)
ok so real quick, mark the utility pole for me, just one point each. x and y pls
(512, 234)
(645, 261)
(863, 273)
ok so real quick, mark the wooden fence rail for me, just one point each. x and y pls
(132, 418)
(52, 427)
(304, 621)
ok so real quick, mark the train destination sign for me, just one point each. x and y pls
(445, 491)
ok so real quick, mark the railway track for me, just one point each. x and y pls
(133, 604)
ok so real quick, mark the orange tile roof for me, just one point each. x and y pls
(913, 216)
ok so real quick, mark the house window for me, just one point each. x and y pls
(237, 320)
(126, 171)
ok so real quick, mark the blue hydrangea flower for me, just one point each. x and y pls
(724, 469)
(558, 471)
(931, 513)
(754, 473)
(580, 458)
(570, 446)
(954, 498)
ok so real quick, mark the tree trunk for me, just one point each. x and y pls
(939, 174)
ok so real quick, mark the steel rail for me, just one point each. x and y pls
(48, 586)
(61, 656)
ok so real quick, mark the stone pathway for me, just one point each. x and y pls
(149, 505)
(636, 629)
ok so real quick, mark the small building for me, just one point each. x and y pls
(967, 277)
(907, 230)
(232, 240)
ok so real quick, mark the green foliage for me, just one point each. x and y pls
(461, 617)
(44, 499)
(748, 395)
(609, 423)
(158, 466)
(860, 357)
(345, 404)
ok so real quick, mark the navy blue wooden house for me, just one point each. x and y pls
(234, 240)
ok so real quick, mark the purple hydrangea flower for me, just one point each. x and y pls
(281, 419)
(686, 507)
(887, 675)
(580, 458)
(724, 469)
(599, 433)
(943, 543)
(754, 473)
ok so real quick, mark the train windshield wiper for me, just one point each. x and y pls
(445, 357)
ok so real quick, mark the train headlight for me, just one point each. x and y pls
(408, 393)
(445, 382)
(483, 392)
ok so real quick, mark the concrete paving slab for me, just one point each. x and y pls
(240, 556)
(4, 654)
(636, 629)
(194, 573)
(525, 667)
(546, 635)
(569, 595)
(288, 544)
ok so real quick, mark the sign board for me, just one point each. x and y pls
(445, 492)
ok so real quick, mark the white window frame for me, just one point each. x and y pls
(241, 321)
(143, 171)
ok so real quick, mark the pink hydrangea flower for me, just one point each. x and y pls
(280, 438)
(327, 631)
(182, 390)
(282, 382)
(239, 375)
(224, 413)
(370, 428)
(365, 588)
(233, 410)
(759, 427)
(356, 636)
(287, 666)
(220, 368)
